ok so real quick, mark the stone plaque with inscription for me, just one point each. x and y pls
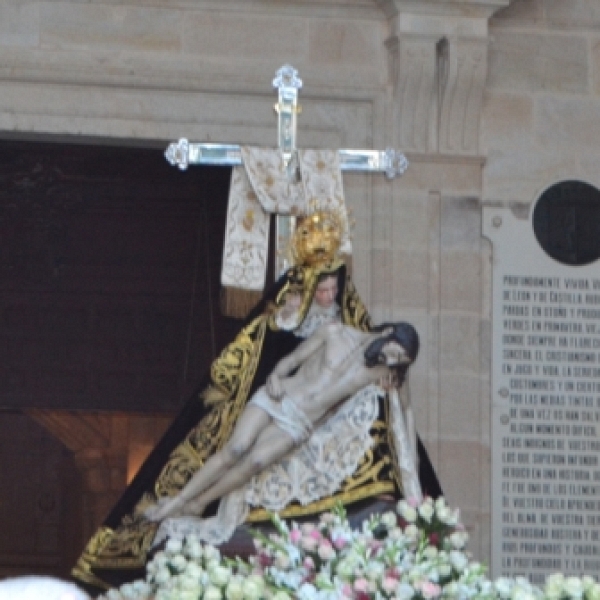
(545, 406)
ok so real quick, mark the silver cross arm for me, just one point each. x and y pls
(183, 153)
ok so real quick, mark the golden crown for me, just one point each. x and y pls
(318, 238)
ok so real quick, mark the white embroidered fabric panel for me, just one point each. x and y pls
(313, 471)
(246, 247)
(269, 178)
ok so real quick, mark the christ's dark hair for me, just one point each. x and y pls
(401, 333)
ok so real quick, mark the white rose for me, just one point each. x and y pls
(389, 519)
(440, 503)
(445, 570)
(503, 586)
(451, 590)
(395, 534)
(220, 576)
(173, 546)
(188, 582)
(593, 592)
(160, 559)
(426, 511)
(326, 551)
(178, 562)
(407, 512)
(113, 595)
(574, 587)
(142, 587)
(281, 595)
(212, 593)
(252, 589)
(404, 591)
(193, 549)
(234, 589)
(459, 539)
(374, 571)
(554, 586)
(162, 575)
(430, 552)
(444, 514)
(193, 570)
(212, 564)
(453, 518)
(458, 560)
(127, 591)
(412, 532)
(588, 582)
(282, 561)
(211, 553)
(520, 593)
(187, 595)
(345, 570)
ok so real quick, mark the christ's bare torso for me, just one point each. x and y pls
(334, 371)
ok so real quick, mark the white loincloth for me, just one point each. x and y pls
(285, 413)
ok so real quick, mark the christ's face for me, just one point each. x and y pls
(394, 354)
(326, 292)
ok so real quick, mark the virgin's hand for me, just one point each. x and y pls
(292, 304)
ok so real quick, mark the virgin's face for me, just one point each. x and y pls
(326, 292)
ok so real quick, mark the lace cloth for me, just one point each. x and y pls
(315, 470)
(404, 442)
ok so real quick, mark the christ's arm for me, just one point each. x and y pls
(293, 360)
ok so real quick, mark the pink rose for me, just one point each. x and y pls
(347, 590)
(309, 563)
(325, 550)
(430, 589)
(361, 585)
(389, 584)
(308, 543)
(340, 543)
(315, 534)
(295, 535)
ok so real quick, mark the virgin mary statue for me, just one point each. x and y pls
(313, 292)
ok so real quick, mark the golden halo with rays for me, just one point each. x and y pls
(317, 238)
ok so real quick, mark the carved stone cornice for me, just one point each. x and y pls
(437, 54)
(474, 8)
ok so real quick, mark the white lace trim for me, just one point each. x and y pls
(313, 471)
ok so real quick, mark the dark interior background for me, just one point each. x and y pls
(109, 301)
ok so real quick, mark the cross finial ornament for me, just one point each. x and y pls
(288, 83)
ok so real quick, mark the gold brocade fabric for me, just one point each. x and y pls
(232, 375)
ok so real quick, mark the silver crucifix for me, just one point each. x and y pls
(183, 153)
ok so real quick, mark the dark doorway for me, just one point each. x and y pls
(110, 263)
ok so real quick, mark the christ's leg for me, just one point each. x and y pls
(251, 423)
(271, 445)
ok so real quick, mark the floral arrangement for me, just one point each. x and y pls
(416, 553)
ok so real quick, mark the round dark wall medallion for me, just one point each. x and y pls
(566, 222)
